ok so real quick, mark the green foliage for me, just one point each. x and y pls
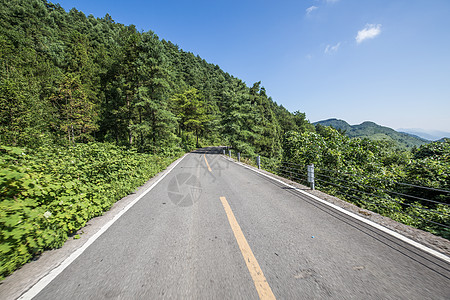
(47, 194)
(65, 77)
(191, 110)
(430, 167)
(77, 113)
(368, 174)
(250, 122)
(438, 151)
(68, 77)
(375, 132)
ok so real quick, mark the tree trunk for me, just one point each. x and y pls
(141, 137)
(130, 133)
(196, 133)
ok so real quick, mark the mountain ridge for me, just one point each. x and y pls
(374, 131)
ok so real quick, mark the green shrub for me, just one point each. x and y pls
(367, 173)
(47, 194)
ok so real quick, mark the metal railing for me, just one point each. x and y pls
(386, 195)
(378, 196)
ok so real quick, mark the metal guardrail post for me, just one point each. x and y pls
(239, 157)
(311, 175)
(229, 153)
(223, 151)
(258, 162)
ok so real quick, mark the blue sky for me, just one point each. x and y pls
(386, 61)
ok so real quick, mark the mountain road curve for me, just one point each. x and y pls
(214, 229)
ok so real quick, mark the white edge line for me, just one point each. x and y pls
(44, 281)
(371, 223)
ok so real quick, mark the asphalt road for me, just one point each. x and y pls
(180, 242)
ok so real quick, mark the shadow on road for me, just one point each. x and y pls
(209, 150)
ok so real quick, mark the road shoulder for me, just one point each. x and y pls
(422, 237)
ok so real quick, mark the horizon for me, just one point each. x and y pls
(386, 61)
(431, 135)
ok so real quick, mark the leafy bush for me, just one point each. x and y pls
(375, 175)
(47, 194)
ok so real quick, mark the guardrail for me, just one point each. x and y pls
(386, 195)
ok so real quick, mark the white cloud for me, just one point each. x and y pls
(368, 32)
(331, 49)
(310, 9)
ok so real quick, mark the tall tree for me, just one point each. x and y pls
(77, 113)
(191, 110)
(155, 124)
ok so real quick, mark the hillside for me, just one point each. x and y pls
(66, 77)
(90, 109)
(375, 132)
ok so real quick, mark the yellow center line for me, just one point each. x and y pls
(263, 288)
(209, 168)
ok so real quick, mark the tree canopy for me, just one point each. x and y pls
(67, 77)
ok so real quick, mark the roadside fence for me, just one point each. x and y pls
(405, 202)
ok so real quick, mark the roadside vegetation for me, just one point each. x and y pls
(90, 109)
(377, 176)
(48, 193)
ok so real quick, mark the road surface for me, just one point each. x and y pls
(213, 229)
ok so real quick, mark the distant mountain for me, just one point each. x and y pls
(335, 123)
(432, 135)
(376, 132)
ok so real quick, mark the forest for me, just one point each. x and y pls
(68, 78)
(91, 108)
